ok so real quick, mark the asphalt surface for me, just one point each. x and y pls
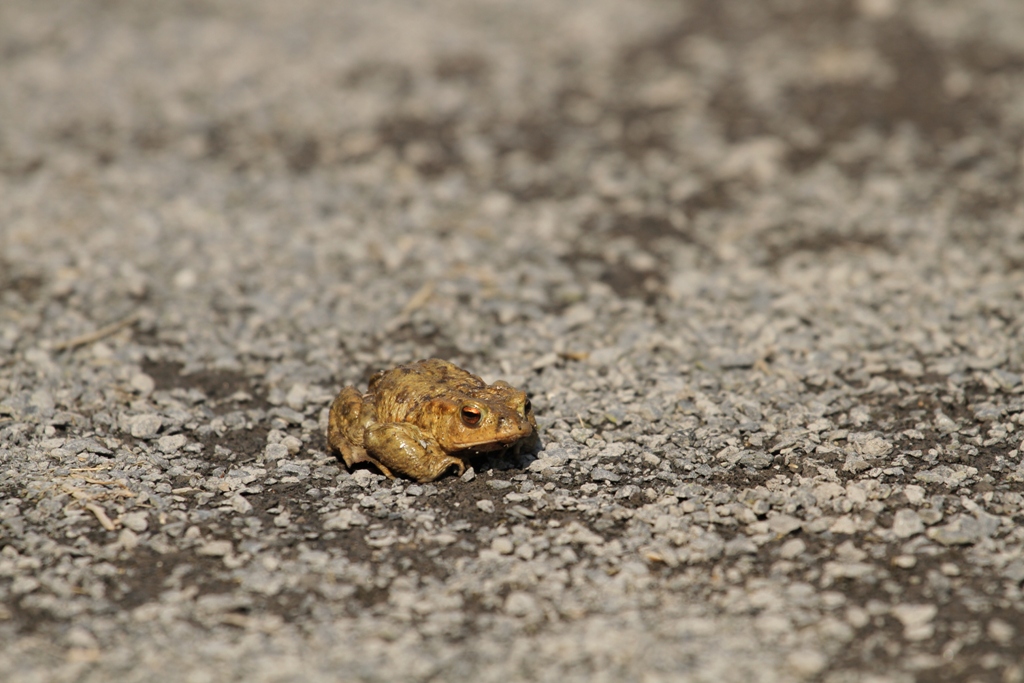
(760, 267)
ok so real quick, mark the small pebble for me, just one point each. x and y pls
(905, 561)
(601, 474)
(240, 505)
(128, 539)
(949, 569)
(136, 521)
(1001, 631)
(145, 426)
(502, 546)
(142, 384)
(792, 549)
(215, 548)
(907, 523)
(171, 444)
(520, 604)
(275, 451)
(807, 662)
(917, 620)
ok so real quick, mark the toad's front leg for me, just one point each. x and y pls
(404, 448)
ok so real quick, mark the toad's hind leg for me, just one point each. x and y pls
(345, 427)
(406, 449)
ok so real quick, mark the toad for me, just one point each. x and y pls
(426, 418)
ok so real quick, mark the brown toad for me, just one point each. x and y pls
(424, 418)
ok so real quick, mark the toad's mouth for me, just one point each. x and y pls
(490, 444)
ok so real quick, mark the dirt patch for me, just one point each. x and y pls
(26, 287)
(469, 68)
(427, 144)
(217, 385)
(626, 253)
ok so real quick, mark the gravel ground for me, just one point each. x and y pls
(759, 265)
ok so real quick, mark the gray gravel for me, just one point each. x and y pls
(759, 265)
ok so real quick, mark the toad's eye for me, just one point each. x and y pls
(527, 407)
(471, 416)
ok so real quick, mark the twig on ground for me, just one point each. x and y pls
(417, 300)
(91, 337)
(101, 515)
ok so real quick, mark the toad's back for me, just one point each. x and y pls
(406, 392)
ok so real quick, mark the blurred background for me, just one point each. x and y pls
(725, 245)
